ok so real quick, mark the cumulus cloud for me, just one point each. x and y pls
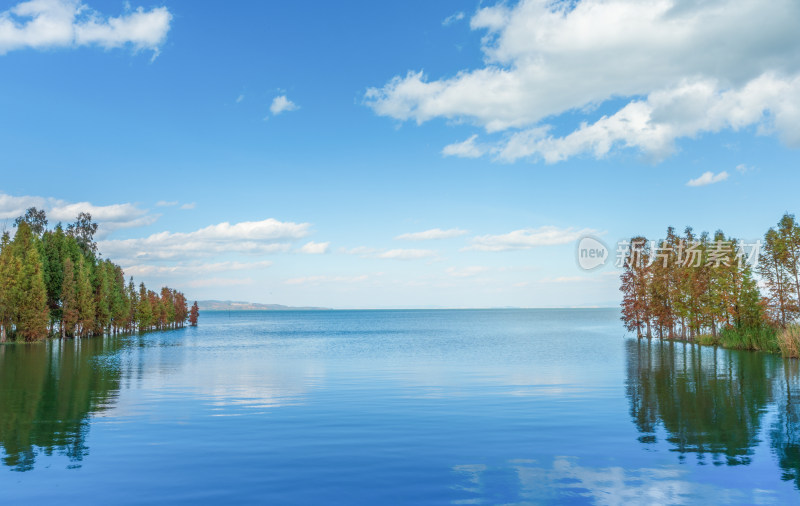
(528, 238)
(652, 125)
(708, 178)
(44, 24)
(434, 233)
(251, 237)
(109, 218)
(193, 269)
(281, 104)
(680, 69)
(315, 248)
(188, 206)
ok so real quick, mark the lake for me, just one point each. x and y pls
(397, 407)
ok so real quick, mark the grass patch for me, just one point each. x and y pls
(707, 340)
(758, 338)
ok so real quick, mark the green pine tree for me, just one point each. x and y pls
(144, 311)
(9, 266)
(30, 304)
(69, 300)
(53, 271)
(102, 300)
(85, 296)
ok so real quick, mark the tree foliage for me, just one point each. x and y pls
(686, 285)
(193, 315)
(52, 282)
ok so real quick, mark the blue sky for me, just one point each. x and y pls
(510, 128)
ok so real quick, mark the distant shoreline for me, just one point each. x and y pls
(290, 308)
(231, 305)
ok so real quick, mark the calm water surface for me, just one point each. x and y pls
(396, 407)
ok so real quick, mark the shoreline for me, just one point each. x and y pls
(740, 341)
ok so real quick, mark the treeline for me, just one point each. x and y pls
(697, 286)
(54, 283)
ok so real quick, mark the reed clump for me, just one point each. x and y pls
(763, 338)
(789, 341)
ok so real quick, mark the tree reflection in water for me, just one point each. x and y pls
(710, 402)
(713, 402)
(785, 433)
(48, 392)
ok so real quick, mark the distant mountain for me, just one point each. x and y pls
(232, 305)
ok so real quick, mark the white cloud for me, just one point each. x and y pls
(43, 24)
(708, 178)
(173, 203)
(394, 254)
(281, 104)
(528, 238)
(219, 282)
(653, 125)
(407, 254)
(240, 98)
(742, 168)
(682, 68)
(569, 279)
(315, 248)
(315, 280)
(189, 269)
(449, 20)
(434, 233)
(605, 277)
(109, 218)
(466, 272)
(253, 237)
(465, 149)
(359, 250)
